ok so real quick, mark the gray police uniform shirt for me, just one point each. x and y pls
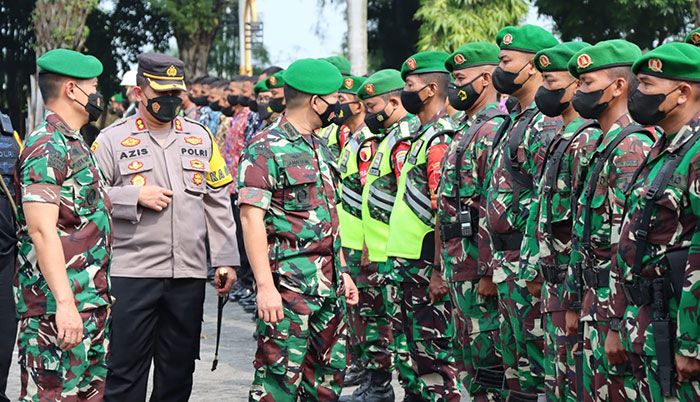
(170, 243)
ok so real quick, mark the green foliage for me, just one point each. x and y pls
(61, 23)
(644, 22)
(448, 24)
(392, 32)
(189, 17)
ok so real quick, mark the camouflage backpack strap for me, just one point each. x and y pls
(466, 222)
(600, 161)
(553, 162)
(521, 180)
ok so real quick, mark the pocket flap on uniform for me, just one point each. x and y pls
(196, 164)
(300, 175)
(132, 166)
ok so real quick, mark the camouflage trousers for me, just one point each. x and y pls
(648, 388)
(602, 381)
(402, 361)
(522, 337)
(356, 326)
(559, 364)
(476, 323)
(49, 374)
(430, 334)
(375, 337)
(303, 357)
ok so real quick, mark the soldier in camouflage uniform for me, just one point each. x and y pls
(426, 306)
(62, 285)
(463, 243)
(546, 247)
(369, 325)
(656, 262)
(337, 135)
(518, 159)
(386, 117)
(288, 197)
(605, 76)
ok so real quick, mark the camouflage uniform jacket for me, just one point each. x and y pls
(464, 259)
(57, 167)
(292, 177)
(500, 214)
(539, 245)
(674, 225)
(607, 206)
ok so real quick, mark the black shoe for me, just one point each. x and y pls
(246, 295)
(411, 397)
(250, 306)
(355, 375)
(376, 388)
(236, 292)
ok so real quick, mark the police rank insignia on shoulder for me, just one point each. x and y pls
(130, 142)
(178, 125)
(94, 146)
(140, 125)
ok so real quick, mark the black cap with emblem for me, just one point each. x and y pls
(162, 72)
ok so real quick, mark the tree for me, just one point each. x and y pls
(392, 32)
(448, 24)
(195, 24)
(644, 22)
(17, 59)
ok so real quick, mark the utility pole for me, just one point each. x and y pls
(357, 35)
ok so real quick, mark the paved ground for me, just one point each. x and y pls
(232, 378)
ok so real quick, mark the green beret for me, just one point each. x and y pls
(674, 61)
(557, 58)
(525, 38)
(693, 37)
(602, 55)
(380, 83)
(351, 84)
(313, 76)
(276, 80)
(69, 63)
(472, 55)
(340, 62)
(423, 63)
(261, 86)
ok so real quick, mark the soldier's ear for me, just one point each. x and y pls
(685, 93)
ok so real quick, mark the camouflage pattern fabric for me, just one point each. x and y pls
(356, 325)
(303, 357)
(49, 374)
(673, 227)
(403, 363)
(376, 338)
(57, 167)
(540, 247)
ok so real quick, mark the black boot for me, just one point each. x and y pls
(355, 375)
(376, 389)
(411, 397)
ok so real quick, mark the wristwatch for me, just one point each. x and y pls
(615, 324)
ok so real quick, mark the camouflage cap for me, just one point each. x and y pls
(313, 76)
(424, 62)
(69, 63)
(674, 61)
(525, 38)
(472, 55)
(163, 72)
(381, 82)
(557, 58)
(602, 55)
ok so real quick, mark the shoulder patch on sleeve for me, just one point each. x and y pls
(218, 175)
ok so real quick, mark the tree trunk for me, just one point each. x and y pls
(194, 52)
(357, 35)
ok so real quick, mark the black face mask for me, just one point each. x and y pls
(200, 100)
(464, 97)
(243, 101)
(253, 105)
(232, 100)
(411, 100)
(549, 100)
(586, 103)
(227, 111)
(164, 108)
(644, 108)
(343, 113)
(215, 106)
(328, 116)
(264, 110)
(277, 105)
(375, 121)
(504, 81)
(94, 105)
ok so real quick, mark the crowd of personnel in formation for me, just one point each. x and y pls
(514, 221)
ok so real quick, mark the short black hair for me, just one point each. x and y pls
(50, 85)
(441, 79)
(295, 98)
(209, 80)
(626, 73)
(391, 94)
(271, 70)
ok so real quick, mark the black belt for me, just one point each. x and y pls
(455, 230)
(554, 273)
(507, 242)
(596, 278)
